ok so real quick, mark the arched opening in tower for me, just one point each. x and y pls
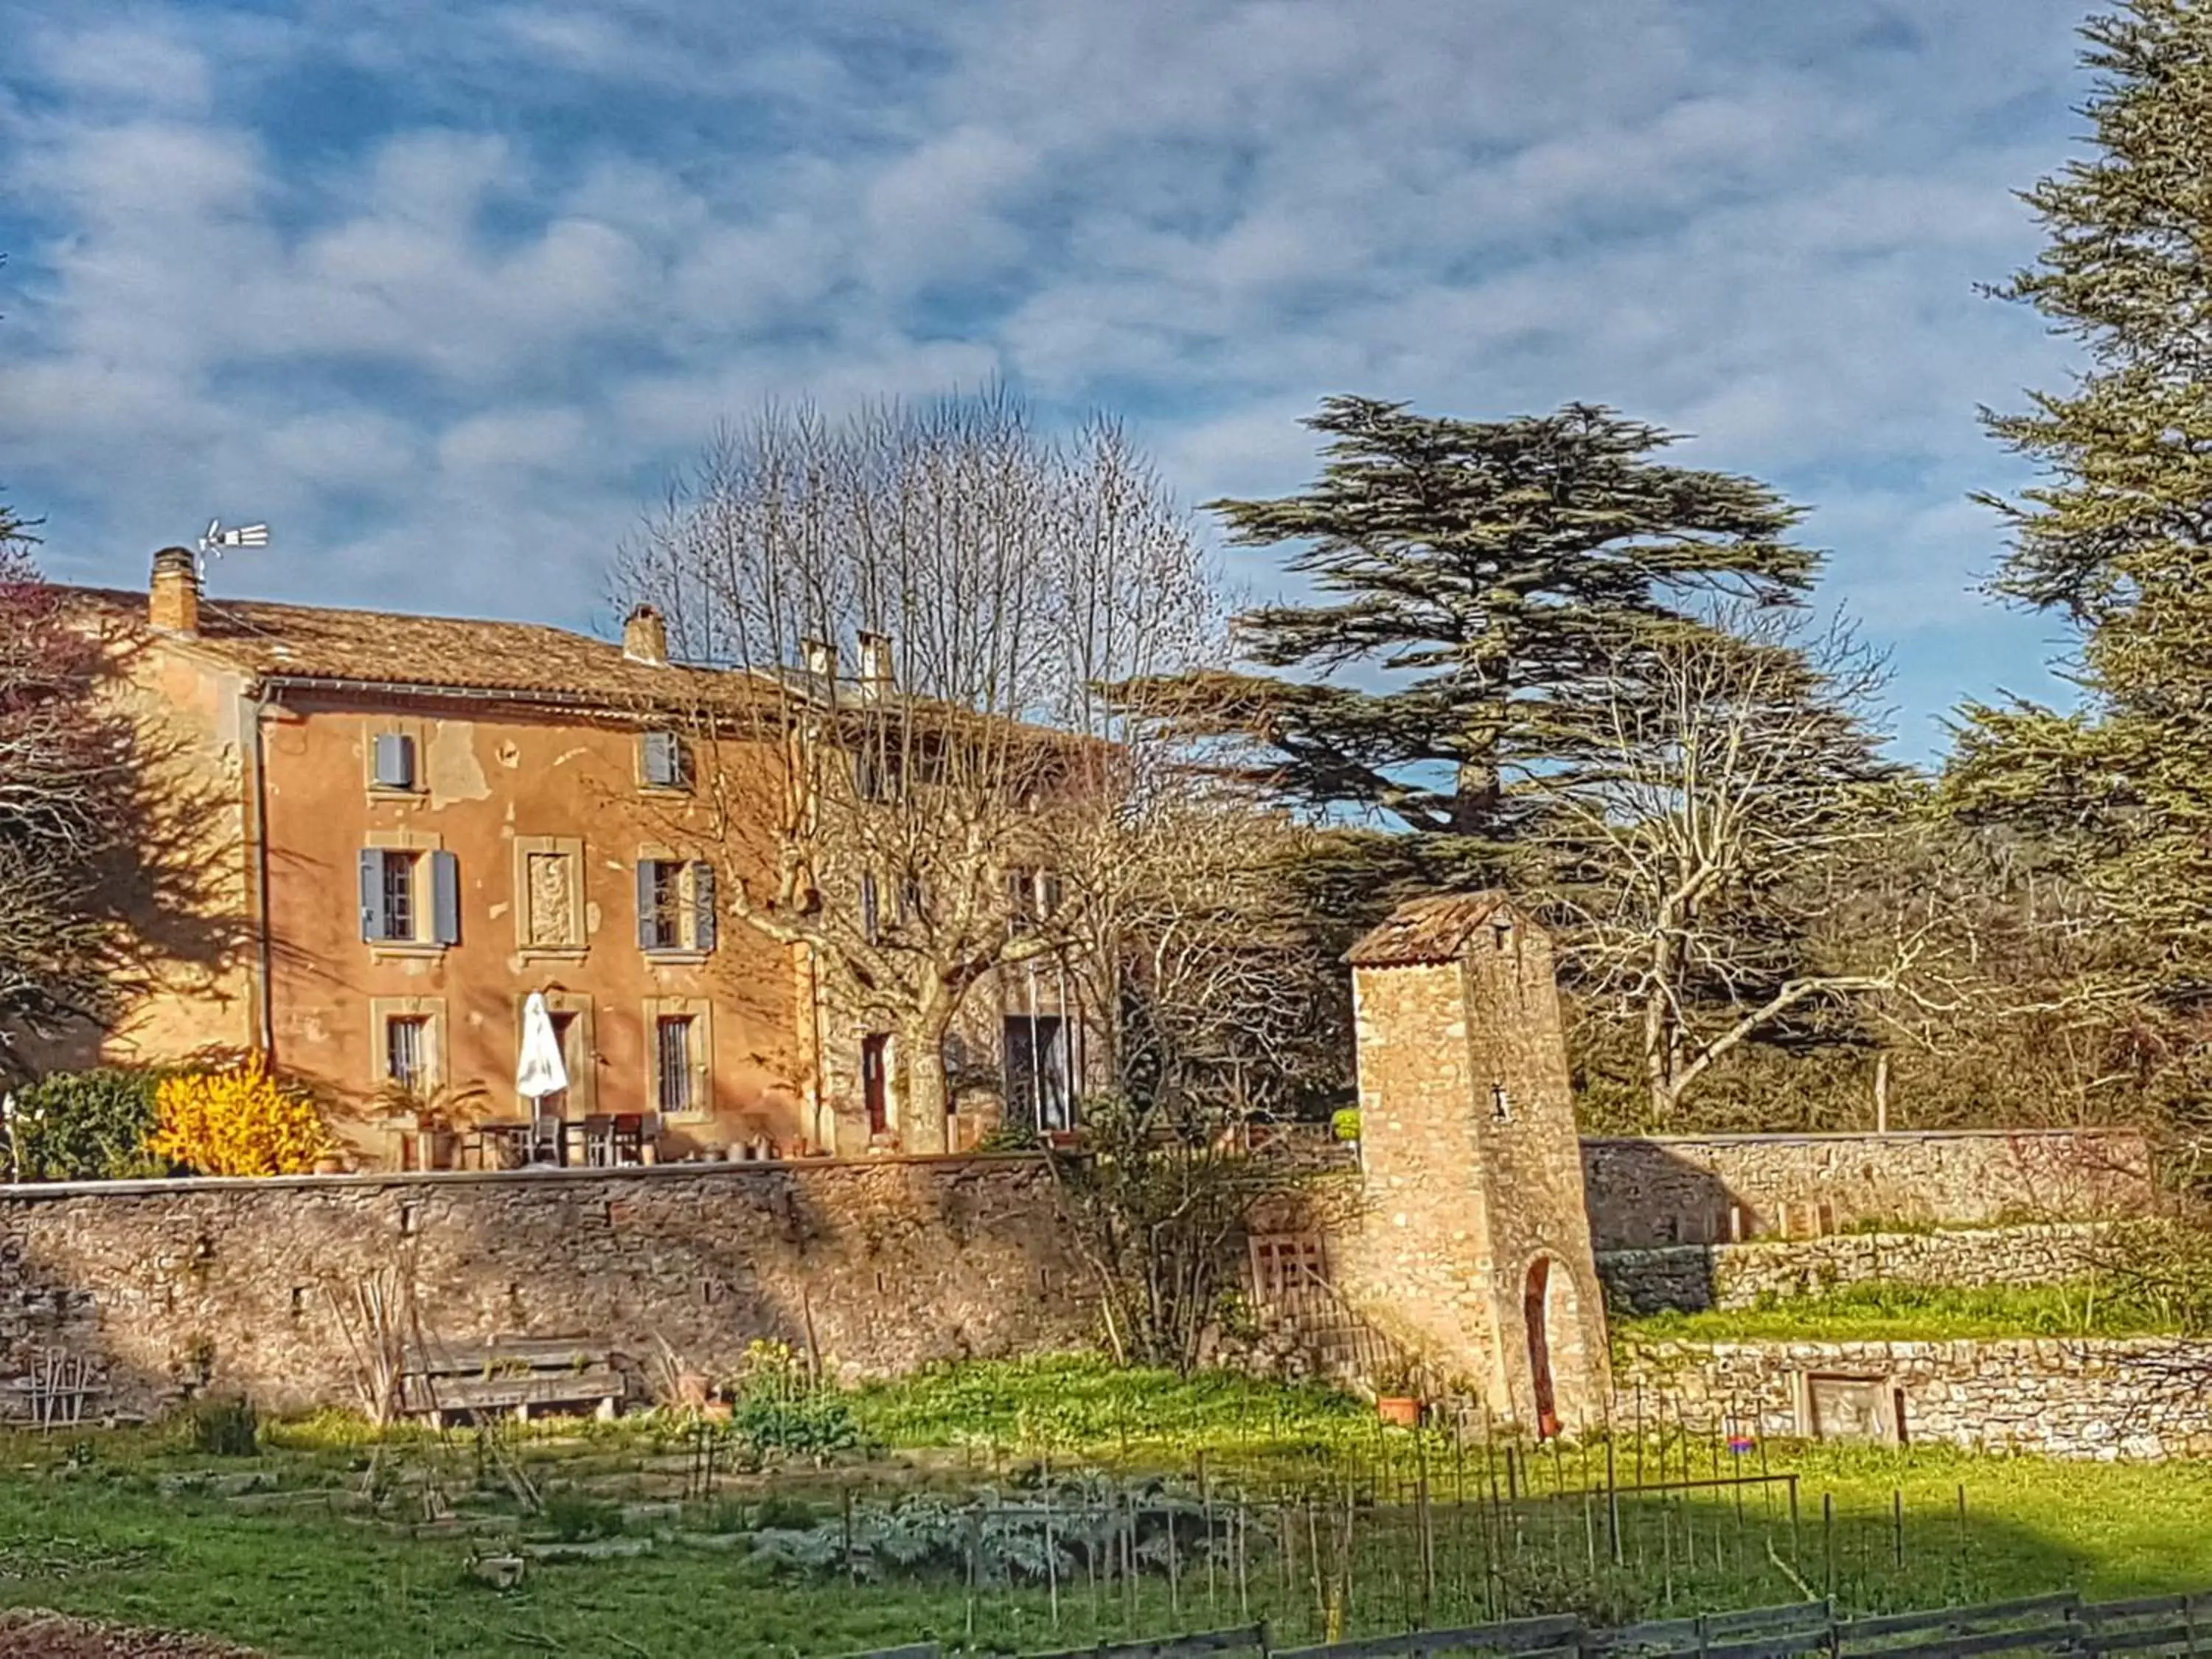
(1535, 1314)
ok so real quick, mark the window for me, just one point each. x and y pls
(663, 761)
(675, 905)
(876, 1081)
(1038, 1072)
(407, 1051)
(875, 772)
(1031, 896)
(871, 907)
(395, 884)
(391, 760)
(681, 1030)
(672, 1043)
(407, 1039)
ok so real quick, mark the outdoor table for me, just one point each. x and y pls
(506, 1139)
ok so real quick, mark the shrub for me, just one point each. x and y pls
(226, 1427)
(238, 1121)
(85, 1126)
(779, 1410)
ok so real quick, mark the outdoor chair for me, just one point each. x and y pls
(630, 1138)
(545, 1140)
(599, 1139)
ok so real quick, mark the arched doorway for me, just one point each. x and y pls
(1534, 1310)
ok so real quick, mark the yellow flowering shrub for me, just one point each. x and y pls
(237, 1122)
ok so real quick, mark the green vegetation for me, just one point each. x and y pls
(1081, 1406)
(1900, 1311)
(85, 1126)
(141, 1526)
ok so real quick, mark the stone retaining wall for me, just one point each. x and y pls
(1692, 1278)
(878, 1266)
(2142, 1397)
(1643, 1193)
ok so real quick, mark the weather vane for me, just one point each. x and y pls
(216, 541)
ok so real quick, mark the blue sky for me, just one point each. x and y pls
(443, 292)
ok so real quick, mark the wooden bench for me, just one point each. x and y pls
(513, 1374)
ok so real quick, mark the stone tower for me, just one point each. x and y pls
(1473, 1247)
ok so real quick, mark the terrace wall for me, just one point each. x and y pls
(877, 1266)
(1704, 1189)
(1692, 1278)
(2136, 1397)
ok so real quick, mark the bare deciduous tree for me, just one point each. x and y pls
(928, 604)
(1201, 950)
(1717, 865)
(63, 785)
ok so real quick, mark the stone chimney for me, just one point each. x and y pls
(174, 605)
(875, 675)
(821, 658)
(645, 636)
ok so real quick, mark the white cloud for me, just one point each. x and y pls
(529, 253)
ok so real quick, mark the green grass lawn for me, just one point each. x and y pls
(1899, 1311)
(98, 1535)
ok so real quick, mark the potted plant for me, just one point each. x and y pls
(436, 1114)
(1398, 1395)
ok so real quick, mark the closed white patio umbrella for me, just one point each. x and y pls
(540, 1072)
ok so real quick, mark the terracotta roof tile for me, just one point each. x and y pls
(403, 652)
(1436, 929)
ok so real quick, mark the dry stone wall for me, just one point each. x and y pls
(1643, 1193)
(2140, 1397)
(1692, 1278)
(878, 1266)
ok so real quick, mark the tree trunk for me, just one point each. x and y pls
(923, 1097)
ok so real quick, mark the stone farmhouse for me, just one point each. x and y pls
(399, 827)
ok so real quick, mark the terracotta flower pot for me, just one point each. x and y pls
(329, 1163)
(1400, 1410)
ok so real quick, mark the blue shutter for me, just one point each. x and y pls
(372, 895)
(702, 906)
(648, 933)
(660, 759)
(395, 760)
(444, 899)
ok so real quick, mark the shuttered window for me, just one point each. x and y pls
(393, 764)
(392, 896)
(676, 905)
(663, 761)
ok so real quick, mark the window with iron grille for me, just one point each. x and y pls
(673, 1043)
(407, 1052)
